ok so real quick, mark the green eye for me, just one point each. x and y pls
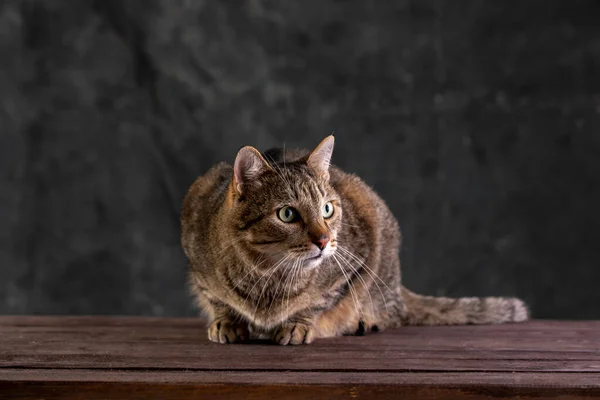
(287, 214)
(328, 210)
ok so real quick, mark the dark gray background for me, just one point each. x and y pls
(477, 121)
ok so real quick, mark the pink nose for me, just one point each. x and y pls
(321, 241)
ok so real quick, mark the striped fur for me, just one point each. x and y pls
(254, 275)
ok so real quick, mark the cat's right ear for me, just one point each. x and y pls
(320, 159)
(249, 164)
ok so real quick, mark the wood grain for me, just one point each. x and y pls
(92, 357)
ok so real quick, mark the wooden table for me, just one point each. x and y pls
(170, 358)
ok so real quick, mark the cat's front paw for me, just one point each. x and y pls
(294, 334)
(225, 331)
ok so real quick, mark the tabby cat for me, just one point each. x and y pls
(287, 247)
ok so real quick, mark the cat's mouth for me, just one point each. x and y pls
(312, 261)
(316, 258)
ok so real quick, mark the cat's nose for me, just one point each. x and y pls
(321, 241)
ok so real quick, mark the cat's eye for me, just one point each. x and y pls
(328, 210)
(287, 214)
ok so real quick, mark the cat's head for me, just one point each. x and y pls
(286, 212)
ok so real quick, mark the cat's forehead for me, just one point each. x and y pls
(298, 183)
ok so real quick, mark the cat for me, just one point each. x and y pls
(287, 247)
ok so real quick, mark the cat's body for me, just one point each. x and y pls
(292, 249)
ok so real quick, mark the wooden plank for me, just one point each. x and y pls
(106, 357)
(111, 390)
(454, 379)
(415, 365)
(81, 384)
(222, 360)
(152, 343)
(127, 384)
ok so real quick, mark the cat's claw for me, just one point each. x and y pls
(226, 331)
(294, 334)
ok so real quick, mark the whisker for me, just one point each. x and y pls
(353, 256)
(254, 269)
(297, 264)
(298, 274)
(274, 296)
(248, 273)
(287, 277)
(277, 266)
(362, 281)
(229, 244)
(273, 268)
(350, 287)
(371, 273)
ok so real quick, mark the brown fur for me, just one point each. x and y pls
(249, 269)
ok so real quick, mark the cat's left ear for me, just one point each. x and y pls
(320, 159)
(249, 164)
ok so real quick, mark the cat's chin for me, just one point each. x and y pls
(313, 262)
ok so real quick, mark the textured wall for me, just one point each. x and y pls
(478, 122)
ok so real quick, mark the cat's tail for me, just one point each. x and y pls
(428, 310)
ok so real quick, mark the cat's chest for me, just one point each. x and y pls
(269, 304)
